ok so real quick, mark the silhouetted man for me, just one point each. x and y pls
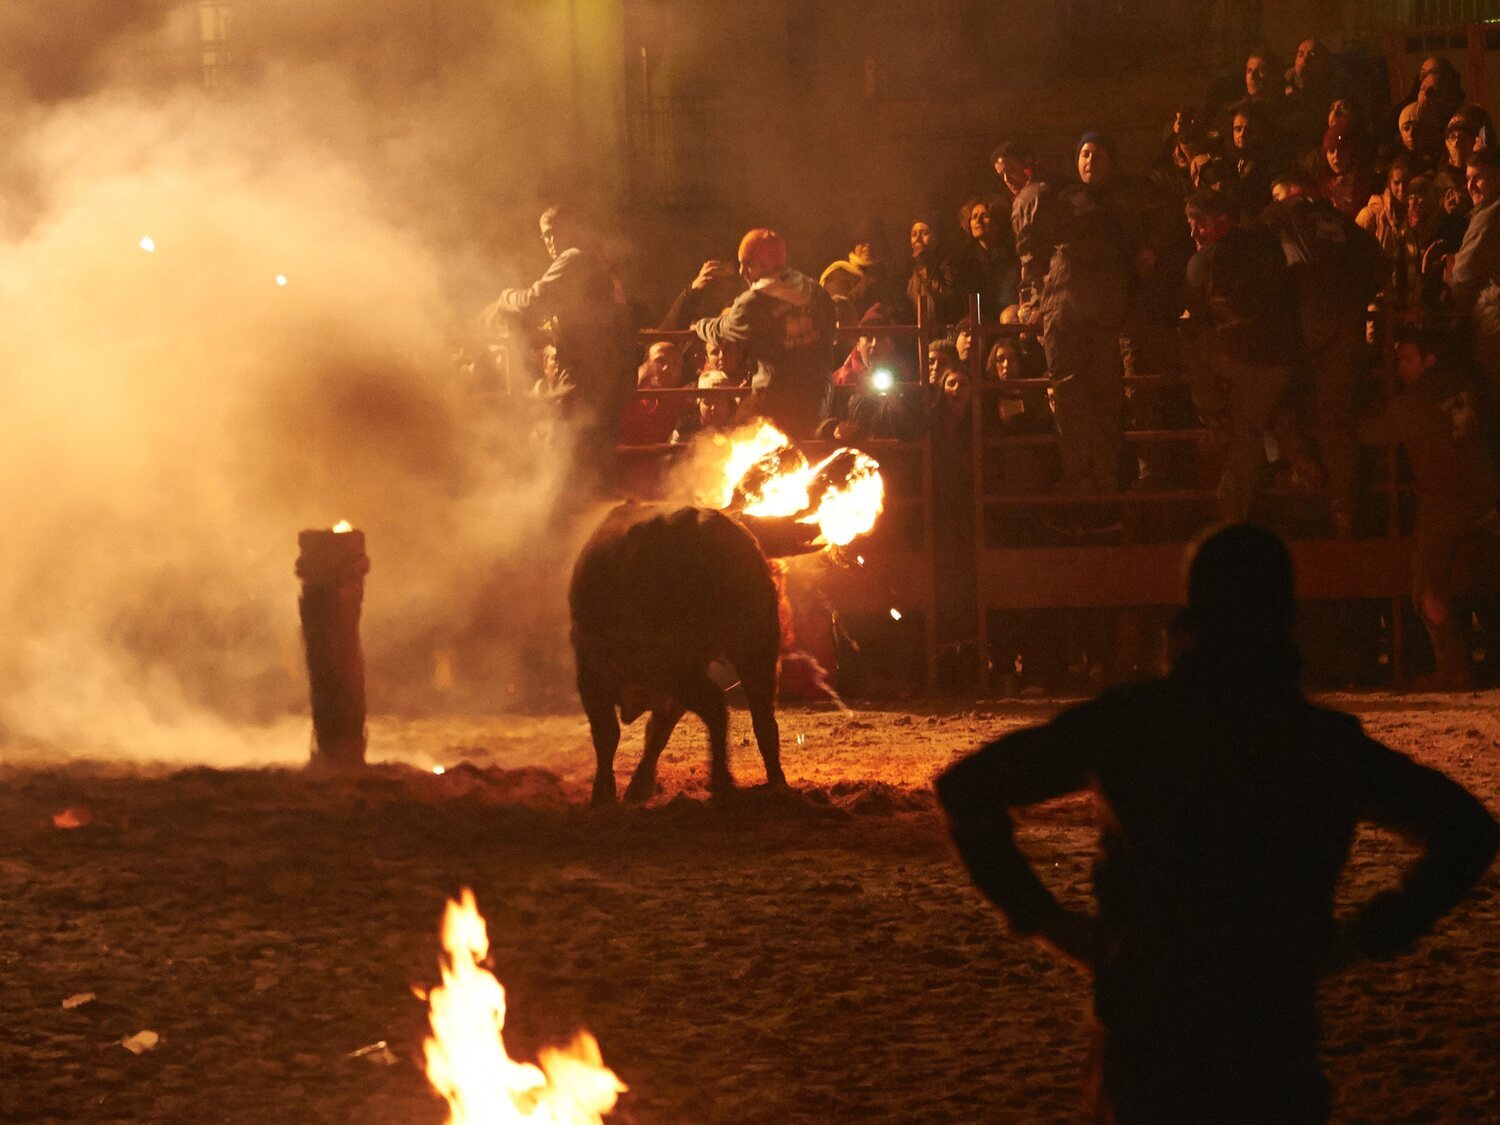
(1226, 804)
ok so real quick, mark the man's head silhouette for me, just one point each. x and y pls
(1239, 586)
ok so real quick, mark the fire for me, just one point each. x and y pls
(343, 527)
(466, 1058)
(765, 475)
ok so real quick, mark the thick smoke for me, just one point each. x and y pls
(223, 319)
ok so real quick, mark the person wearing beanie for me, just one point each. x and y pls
(784, 321)
(1226, 804)
(713, 415)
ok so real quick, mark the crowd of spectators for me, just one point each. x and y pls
(1254, 274)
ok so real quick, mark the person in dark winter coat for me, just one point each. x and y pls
(1244, 320)
(1440, 417)
(984, 264)
(1336, 269)
(785, 322)
(1073, 240)
(1227, 805)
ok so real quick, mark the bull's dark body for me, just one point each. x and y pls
(657, 594)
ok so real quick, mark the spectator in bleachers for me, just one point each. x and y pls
(1312, 86)
(963, 340)
(951, 425)
(1265, 91)
(785, 322)
(714, 289)
(723, 355)
(1413, 294)
(864, 278)
(924, 282)
(1384, 215)
(1015, 163)
(871, 350)
(1440, 92)
(1239, 298)
(1171, 172)
(1462, 139)
(1074, 243)
(1474, 280)
(1344, 180)
(1335, 269)
(582, 297)
(713, 415)
(1021, 411)
(869, 395)
(650, 421)
(1251, 160)
(1417, 134)
(1437, 416)
(942, 357)
(984, 263)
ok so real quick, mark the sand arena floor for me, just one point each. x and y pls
(815, 958)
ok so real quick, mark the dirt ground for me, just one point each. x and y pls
(816, 957)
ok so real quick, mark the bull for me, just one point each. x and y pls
(657, 594)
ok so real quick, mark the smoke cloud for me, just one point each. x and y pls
(223, 319)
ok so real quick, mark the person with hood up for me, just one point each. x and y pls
(1074, 243)
(1226, 806)
(785, 322)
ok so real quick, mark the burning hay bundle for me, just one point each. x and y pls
(771, 487)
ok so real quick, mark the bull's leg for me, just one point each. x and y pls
(707, 702)
(758, 678)
(658, 729)
(604, 727)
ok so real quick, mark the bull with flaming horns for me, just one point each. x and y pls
(659, 593)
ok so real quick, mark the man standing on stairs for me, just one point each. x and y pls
(1437, 416)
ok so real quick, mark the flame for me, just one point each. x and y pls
(148, 244)
(466, 1058)
(766, 476)
(343, 527)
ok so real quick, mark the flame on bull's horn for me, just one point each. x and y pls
(466, 1058)
(765, 475)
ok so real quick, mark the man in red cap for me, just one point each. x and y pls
(784, 321)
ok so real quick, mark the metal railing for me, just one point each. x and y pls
(1130, 572)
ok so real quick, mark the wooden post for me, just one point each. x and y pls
(332, 566)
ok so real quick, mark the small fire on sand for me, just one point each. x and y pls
(466, 1058)
(765, 475)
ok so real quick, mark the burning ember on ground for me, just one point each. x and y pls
(466, 1058)
(765, 475)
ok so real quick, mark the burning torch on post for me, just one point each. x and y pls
(332, 567)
